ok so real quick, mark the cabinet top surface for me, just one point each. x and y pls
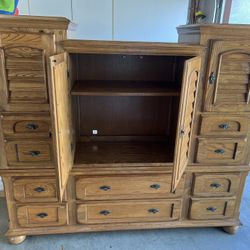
(34, 22)
(213, 27)
(120, 47)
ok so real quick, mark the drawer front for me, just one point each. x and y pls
(224, 125)
(226, 151)
(35, 189)
(209, 209)
(42, 215)
(129, 211)
(125, 187)
(216, 184)
(26, 126)
(29, 152)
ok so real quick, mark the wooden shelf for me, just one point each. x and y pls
(123, 152)
(123, 88)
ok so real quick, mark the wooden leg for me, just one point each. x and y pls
(231, 229)
(17, 239)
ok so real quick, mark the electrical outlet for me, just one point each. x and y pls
(94, 131)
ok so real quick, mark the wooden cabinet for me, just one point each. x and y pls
(99, 135)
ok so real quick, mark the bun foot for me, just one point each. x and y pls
(17, 239)
(231, 229)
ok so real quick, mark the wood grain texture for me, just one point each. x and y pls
(206, 185)
(126, 187)
(185, 120)
(41, 215)
(24, 125)
(208, 209)
(35, 189)
(128, 211)
(63, 119)
(224, 125)
(122, 152)
(224, 150)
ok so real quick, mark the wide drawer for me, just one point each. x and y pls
(209, 209)
(128, 211)
(26, 126)
(34, 189)
(224, 125)
(226, 151)
(42, 215)
(224, 184)
(28, 152)
(126, 187)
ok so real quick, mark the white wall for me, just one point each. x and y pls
(135, 20)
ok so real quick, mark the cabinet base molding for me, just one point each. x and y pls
(121, 227)
(15, 240)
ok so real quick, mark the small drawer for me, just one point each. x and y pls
(126, 187)
(128, 211)
(42, 215)
(26, 126)
(35, 189)
(216, 184)
(29, 152)
(209, 209)
(226, 151)
(224, 125)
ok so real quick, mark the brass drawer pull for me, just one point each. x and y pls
(211, 209)
(219, 151)
(224, 126)
(42, 215)
(153, 210)
(212, 78)
(215, 185)
(105, 188)
(35, 153)
(31, 126)
(155, 186)
(105, 212)
(39, 189)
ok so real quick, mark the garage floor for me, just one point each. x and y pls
(200, 238)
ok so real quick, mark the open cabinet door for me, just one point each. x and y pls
(186, 110)
(63, 129)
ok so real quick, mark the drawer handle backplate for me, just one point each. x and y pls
(211, 209)
(42, 215)
(105, 212)
(219, 151)
(224, 126)
(39, 189)
(215, 185)
(31, 126)
(155, 186)
(153, 210)
(105, 188)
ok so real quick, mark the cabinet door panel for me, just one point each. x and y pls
(228, 84)
(184, 129)
(62, 119)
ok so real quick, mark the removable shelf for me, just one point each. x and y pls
(123, 152)
(124, 88)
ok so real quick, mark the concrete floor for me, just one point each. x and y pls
(197, 238)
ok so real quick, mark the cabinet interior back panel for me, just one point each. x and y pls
(127, 116)
(130, 67)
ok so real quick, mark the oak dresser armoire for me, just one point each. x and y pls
(105, 135)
